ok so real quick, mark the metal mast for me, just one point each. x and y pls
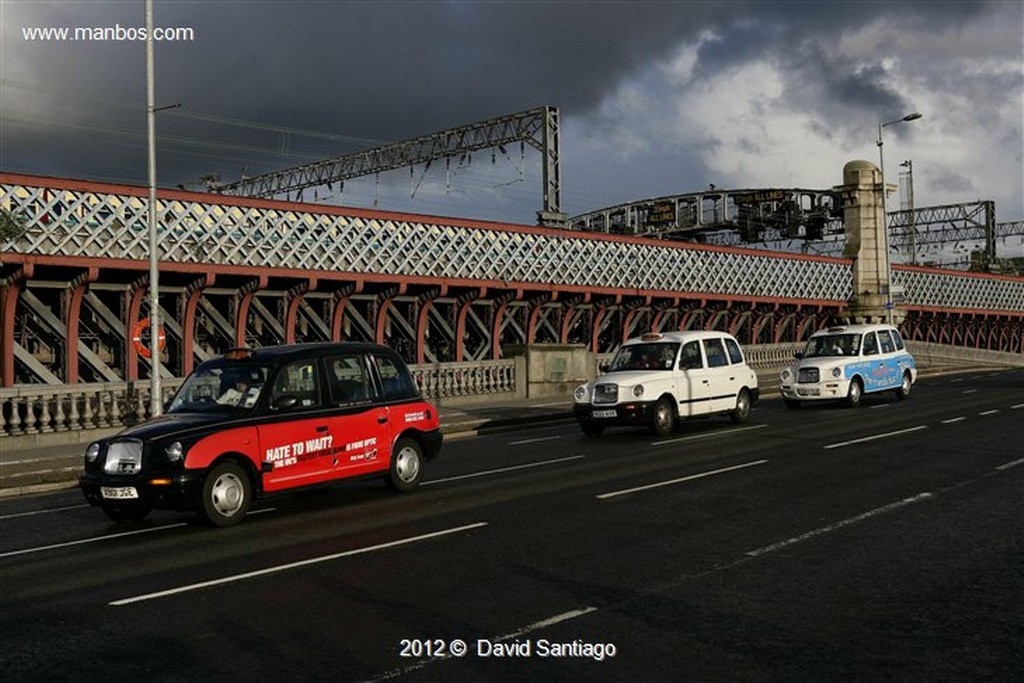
(535, 127)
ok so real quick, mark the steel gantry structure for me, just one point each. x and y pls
(538, 128)
(241, 271)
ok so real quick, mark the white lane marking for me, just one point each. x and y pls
(542, 438)
(954, 419)
(988, 412)
(295, 565)
(838, 525)
(970, 391)
(670, 482)
(1008, 465)
(33, 513)
(1017, 406)
(94, 539)
(694, 437)
(512, 468)
(544, 623)
(875, 437)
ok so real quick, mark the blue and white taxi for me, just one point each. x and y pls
(846, 362)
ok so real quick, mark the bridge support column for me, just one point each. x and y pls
(867, 243)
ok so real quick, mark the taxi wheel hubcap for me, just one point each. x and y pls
(407, 465)
(227, 494)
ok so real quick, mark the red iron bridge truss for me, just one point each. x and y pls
(239, 271)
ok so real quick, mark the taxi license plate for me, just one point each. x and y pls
(604, 413)
(119, 492)
(808, 392)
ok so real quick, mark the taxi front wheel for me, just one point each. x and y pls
(664, 419)
(855, 393)
(227, 494)
(406, 466)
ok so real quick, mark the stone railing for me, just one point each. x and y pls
(51, 408)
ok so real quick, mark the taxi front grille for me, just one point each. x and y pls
(606, 393)
(123, 457)
(808, 376)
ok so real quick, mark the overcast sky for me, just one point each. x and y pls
(656, 98)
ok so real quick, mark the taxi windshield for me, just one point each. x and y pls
(657, 356)
(833, 345)
(221, 385)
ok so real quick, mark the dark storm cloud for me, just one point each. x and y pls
(362, 73)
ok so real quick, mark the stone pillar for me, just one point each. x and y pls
(867, 243)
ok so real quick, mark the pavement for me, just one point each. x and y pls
(41, 469)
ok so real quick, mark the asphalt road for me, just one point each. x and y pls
(884, 543)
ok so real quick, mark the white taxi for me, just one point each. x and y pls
(846, 362)
(660, 378)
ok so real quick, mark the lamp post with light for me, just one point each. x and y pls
(885, 216)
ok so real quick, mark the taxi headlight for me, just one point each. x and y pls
(175, 452)
(581, 393)
(92, 452)
(837, 372)
(786, 374)
(638, 391)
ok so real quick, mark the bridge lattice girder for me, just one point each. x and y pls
(245, 271)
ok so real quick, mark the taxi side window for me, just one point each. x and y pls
(395, 377)
(348, 380)
(735, 355)
(715, 352)
(297, 380)
(898, 339)
(690, 358)
(886, 339)
(870, 344)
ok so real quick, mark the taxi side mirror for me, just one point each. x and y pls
(286, 402)
(799, 355)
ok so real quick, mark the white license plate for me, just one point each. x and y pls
(119, 492)
(605, 413)
(808, 392)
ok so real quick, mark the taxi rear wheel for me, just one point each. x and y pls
(741, 413)
(855, 393)
(227, 494)
(406, 466)
(664, 419)
(904, 391)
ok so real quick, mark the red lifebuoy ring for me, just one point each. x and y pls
(141, 343)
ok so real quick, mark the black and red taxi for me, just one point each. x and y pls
(259, 421)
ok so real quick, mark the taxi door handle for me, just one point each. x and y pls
(322, 428)
(382, 419)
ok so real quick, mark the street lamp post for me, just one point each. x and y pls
(155, 404)
(885, 216)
